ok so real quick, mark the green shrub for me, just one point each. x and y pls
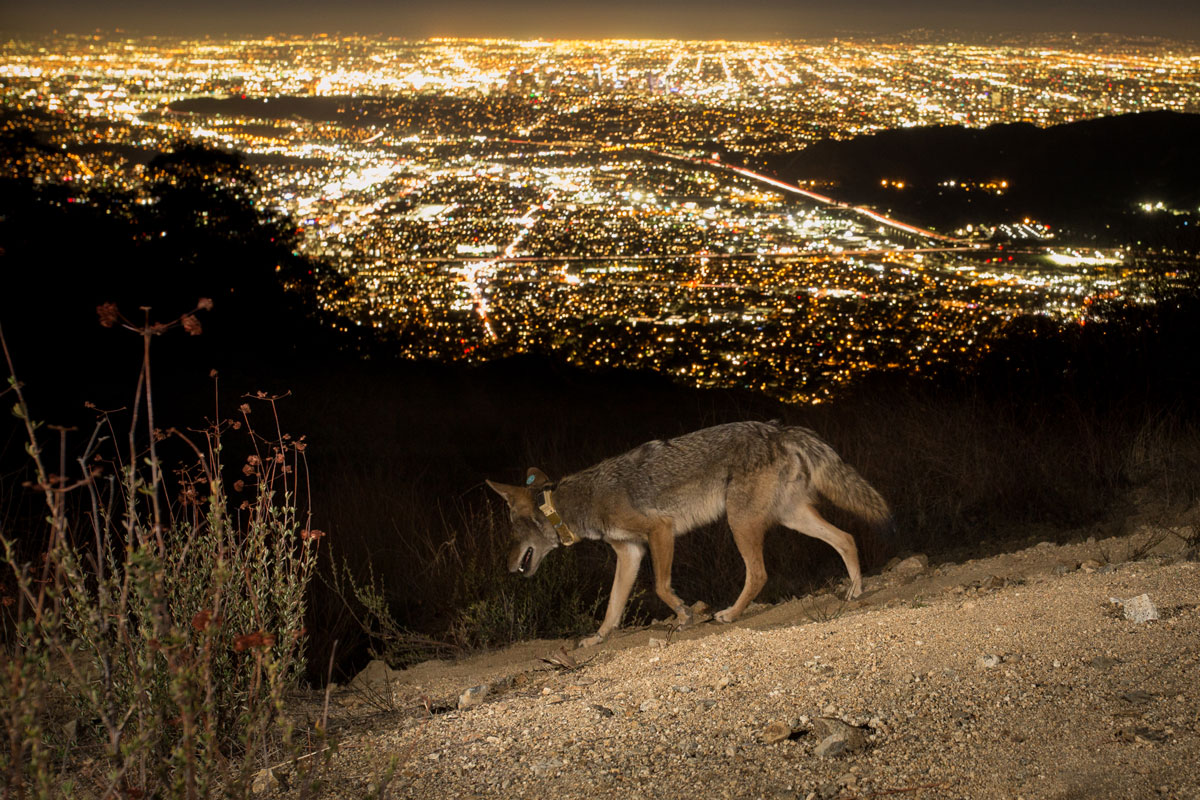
(169, 619)
(488, 606)
(498, 609)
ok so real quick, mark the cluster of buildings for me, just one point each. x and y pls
(485, 198)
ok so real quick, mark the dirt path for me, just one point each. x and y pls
(1006, 677)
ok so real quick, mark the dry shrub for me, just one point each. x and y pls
(169, 617)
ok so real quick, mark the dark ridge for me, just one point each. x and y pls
(1089, 177)
(311, 109)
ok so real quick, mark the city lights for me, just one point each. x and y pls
(486, 198)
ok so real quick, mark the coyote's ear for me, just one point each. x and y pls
(535, 478)
(511, 494)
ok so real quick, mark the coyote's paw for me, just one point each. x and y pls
(728, 615)
(591, 641)
(684, 618)
(854, 591)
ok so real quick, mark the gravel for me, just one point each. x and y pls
(952, 685)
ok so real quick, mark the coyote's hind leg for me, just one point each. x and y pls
(805, 519)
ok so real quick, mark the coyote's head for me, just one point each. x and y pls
(533, 535)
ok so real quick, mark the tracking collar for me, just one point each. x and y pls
(566, 536)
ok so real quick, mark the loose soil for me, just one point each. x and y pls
(1012, 676)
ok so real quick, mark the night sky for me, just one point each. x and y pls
(703, 19)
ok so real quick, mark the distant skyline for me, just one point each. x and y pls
(694, 19)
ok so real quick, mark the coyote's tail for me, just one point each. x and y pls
(825, 477)
(841, 484)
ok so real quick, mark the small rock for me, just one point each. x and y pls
(604, 711)
(1063, 569)
(1090, 565)
(831, 746)
(375, 676)
(705, 705)
(913, 565)
(724, 682)
(554, 699)
(994, 582)
(776, 732)
(829, 791)
(1140, 609)
(657, 642)
(649, 705)
(838, 737)
(473, 696)
(264, 781)
(542, 768)
(1141, 735)
(1105, 662)
(989, 661)
(1137, 697)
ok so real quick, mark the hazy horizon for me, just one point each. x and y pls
(674, 19)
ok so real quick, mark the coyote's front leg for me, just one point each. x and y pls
(662, 553)
(629, 558)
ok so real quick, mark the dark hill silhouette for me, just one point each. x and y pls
(191, 231)
(1086, 176)
(314, 109)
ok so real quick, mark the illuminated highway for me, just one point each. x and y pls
(820, 198)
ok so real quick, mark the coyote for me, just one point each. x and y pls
(756, 474)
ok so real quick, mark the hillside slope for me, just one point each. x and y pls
(1010, 676)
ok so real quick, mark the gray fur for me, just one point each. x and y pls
(687, 478)
(756, 474)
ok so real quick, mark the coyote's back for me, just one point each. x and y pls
(690, 476)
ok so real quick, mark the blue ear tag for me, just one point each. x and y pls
(529, 481)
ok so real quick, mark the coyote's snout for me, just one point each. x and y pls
(521, 559)
(532, 533)
(756, 474)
